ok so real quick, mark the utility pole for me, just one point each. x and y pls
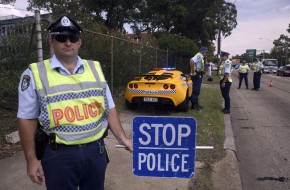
(219, 31)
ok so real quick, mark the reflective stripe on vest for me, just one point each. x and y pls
(74, 107)
(256, 67)
(243, 69)
(202, 62)
(222, 72)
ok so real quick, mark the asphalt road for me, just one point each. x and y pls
(261, 126)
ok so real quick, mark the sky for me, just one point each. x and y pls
(260, 22)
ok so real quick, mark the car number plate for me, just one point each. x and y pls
(150, 99)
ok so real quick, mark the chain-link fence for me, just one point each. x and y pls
(120, 58)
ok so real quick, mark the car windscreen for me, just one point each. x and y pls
(287, 67)
(270, 63)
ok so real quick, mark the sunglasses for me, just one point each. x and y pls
(63, 38)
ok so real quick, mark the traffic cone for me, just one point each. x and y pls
(271, 84)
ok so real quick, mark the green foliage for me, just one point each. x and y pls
(180, 45)
(281, 49)
(197, 20)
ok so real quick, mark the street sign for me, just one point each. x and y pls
(251, 54)
(164, 146)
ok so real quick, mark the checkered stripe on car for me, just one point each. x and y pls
(152, 91)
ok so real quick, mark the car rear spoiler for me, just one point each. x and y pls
(150, 77)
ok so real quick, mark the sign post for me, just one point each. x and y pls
(164, 146)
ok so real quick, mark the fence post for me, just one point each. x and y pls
(156, 58)
(166, 58)
(38, 35)
(140, 59)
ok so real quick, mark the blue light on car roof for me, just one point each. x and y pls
(169, 68)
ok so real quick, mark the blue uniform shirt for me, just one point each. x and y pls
(198, 60)
(28, 103)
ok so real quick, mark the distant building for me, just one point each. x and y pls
(24, 24)
(143, 37)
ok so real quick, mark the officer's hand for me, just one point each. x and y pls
(128, 144)
(193, 73)
(35, 171)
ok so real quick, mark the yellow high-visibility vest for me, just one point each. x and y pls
(202, 62)
(74, 107)
(243, 69)
(222, 68)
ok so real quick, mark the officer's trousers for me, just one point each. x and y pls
(70, 167)
(196, 84)
(226, 94)
(243, 76)
(257, 80)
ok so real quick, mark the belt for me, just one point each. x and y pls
(54, 145)
(100, 142)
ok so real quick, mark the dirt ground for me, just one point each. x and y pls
(8, 150)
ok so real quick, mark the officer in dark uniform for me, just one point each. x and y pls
(197, 69)
(258, 70)
(225, 70)
(71, 100)
(243, 74)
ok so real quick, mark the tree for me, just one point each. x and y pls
(157, 15)
(281, 48)
(114, 14)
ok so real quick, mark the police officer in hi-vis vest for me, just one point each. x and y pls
(70, 99)
(258, 69)
(225, 70)
(243, 74)
(197, 72)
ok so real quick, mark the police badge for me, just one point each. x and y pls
(25, 82)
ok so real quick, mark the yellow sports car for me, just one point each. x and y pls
(162, 86)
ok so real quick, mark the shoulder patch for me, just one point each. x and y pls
(25, 82)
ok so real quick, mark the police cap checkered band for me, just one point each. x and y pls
(64, 25)
(224, 53)
(203, 49)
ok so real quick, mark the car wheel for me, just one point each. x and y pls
(131, 106)
(184, 105)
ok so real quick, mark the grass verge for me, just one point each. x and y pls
(210, 130)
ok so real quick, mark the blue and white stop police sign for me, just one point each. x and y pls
(164, 146)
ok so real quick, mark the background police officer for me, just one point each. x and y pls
(197, 71)
(243, 74)
(258, 69)
(225, 70)
(71, 100)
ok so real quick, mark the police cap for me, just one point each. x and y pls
(64, 25)
(224, 53)
(203, 49)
